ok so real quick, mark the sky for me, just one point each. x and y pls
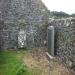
(67, 6)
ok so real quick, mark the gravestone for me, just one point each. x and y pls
(50, 35)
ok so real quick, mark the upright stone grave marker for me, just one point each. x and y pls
(50, 35)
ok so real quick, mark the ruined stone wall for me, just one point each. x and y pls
(33, 12)
(7, 40)
(23, 23)
(32, 36)
(27, 18)
(65, 40)
(65, 44)
(65, 22)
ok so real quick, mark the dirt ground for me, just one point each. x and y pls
(37, 60)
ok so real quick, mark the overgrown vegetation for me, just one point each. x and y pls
(11, 64)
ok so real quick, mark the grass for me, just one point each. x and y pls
(11, 63)
(25, 63)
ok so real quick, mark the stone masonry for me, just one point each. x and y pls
(65, 44)
(65, 40)
(24, 18)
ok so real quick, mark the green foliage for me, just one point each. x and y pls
(9, 63)
(60, 14)
(23, 70)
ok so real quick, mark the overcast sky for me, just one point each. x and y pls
(67, 6)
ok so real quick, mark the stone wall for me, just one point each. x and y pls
(65, 22)
(65, 40)
(28, 36)
(32, 36)
(33, 12)
(65, 44)
(8, 39)
(27, 17)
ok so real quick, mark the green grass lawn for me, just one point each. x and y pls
(11, 63)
